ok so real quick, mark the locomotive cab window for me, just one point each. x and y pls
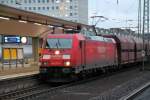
(58, 43)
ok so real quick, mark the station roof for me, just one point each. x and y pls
(14, 21)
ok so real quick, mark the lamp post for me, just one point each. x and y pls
(139, 18)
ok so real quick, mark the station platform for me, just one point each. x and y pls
(18, 75)
(14, 72)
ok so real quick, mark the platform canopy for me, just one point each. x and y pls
(14, 21)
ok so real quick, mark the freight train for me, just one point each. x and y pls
(66, 57)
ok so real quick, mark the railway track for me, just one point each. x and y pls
(136, 92)
(42, 89)
(14, 84)
(14, 94)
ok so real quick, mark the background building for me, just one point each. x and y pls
(73, 10)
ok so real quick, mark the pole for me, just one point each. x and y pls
(143, 31)
(117, 2)
(145, 26)
(139, 18)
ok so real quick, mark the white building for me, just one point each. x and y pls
(73, 10)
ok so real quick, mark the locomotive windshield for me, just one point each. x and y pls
(58, 43)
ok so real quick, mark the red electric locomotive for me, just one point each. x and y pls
(68, 56)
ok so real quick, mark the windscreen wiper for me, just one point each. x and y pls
(59, 43)
(56, 45)
(47, 44)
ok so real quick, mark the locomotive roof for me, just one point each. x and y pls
(79, 36)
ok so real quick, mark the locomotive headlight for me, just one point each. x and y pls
(67, 63)
(46, 56)
(66, 56)
(57, 52)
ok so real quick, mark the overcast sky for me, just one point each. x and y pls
(116, 13)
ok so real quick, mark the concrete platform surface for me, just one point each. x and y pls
(18, 75)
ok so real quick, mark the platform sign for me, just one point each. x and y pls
(6, 53)
(11, 39)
